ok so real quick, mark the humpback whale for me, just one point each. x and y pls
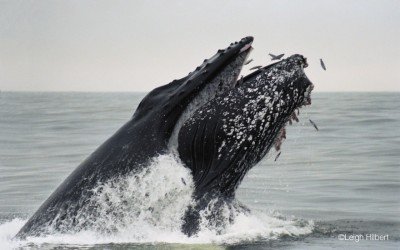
(218, 126)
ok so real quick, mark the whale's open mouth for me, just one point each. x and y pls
(232, 122)
(284, 80)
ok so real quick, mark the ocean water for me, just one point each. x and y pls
(329, 189)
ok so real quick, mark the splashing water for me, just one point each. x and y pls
(147, 207)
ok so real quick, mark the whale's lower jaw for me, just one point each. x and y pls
(226, 137)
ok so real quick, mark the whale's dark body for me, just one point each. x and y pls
(191, 117)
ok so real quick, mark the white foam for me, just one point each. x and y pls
(8, 230)
(161, 189)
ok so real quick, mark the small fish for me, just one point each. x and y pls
(277, 156)
(183, 181)
(255, 67)
(322, 64)
(294, 117)
(313, 123)
(274, 57)
(249, 61)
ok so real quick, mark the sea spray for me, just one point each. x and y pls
(253, 227)
(154, 197)
(147, 207)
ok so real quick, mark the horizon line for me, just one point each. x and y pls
(95, 91)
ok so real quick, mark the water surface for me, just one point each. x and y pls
(342, 180)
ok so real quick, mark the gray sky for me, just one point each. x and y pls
(76, 45)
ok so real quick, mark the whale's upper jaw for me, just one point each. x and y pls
(220, 75)
(165, 105)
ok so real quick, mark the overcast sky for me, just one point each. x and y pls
(76, 45)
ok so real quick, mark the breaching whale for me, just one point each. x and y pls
(218, 126)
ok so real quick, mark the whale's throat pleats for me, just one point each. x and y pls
(220, 143)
